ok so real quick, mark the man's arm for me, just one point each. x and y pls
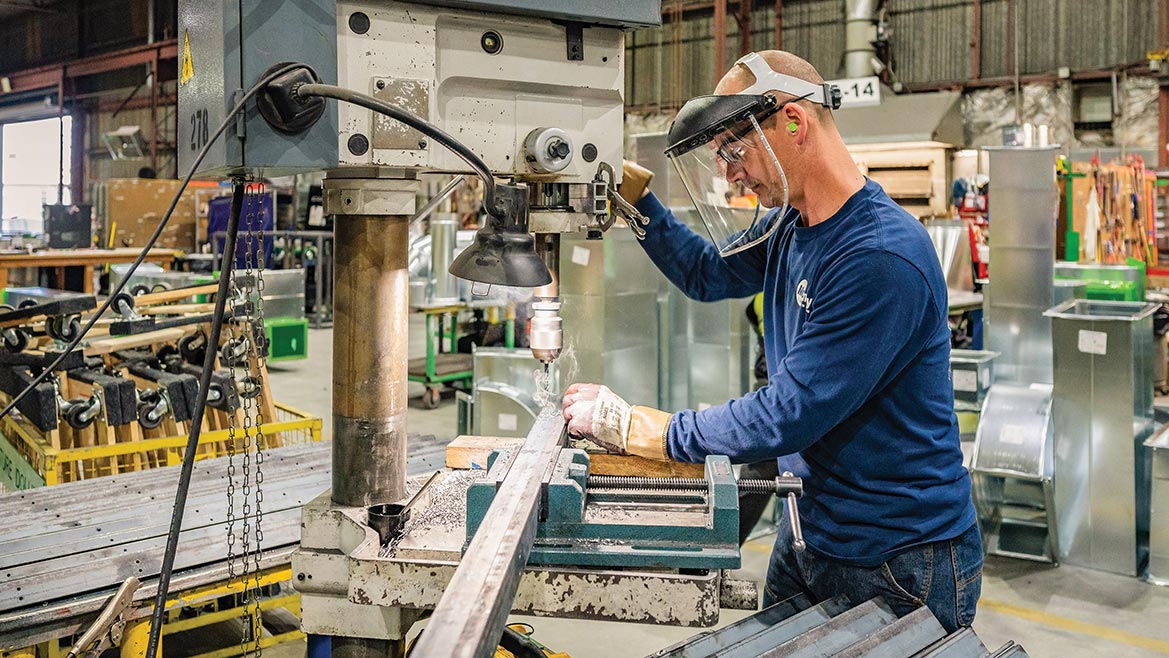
(693, 263)
(868, 320)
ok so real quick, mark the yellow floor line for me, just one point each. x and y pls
(758, 547)
(1075, 626)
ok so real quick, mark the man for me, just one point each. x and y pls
(859, 401)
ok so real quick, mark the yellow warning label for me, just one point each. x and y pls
(188, 67)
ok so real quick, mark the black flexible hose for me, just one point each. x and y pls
(229, 120)
(426, 128)
(176, 519)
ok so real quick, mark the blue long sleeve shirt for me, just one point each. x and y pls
(859, 401)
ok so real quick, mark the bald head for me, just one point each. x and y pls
(740, 77)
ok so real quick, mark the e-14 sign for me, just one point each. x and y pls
(859, 92)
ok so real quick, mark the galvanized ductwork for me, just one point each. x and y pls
(860, 31)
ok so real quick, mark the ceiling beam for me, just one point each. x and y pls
(50, 76)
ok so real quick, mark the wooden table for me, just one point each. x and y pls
(84, 258)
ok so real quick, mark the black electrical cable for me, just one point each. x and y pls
(426, 128)
(228, 121)
(176, 520)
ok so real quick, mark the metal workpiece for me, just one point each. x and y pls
(370, 307)
(62, 558)
(489, 572)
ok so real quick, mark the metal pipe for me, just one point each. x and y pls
(444, 230)
(370, 306)
(473, 610)
(437, 199)
(779, 24)
(859, 34)
(720, 39)
(976, 42)
(744, 18)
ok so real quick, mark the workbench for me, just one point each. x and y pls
(84, 258)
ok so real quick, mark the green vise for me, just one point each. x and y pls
(624, 522)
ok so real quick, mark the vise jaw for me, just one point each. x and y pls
(624, 522)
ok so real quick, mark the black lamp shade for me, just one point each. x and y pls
(502, 258)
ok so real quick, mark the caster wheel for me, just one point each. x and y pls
(123, 304)
(431, 398)
(139, 289)
(15, 340)
(249, 388)
(216, 396)
(159, 287)
(233, 353)
(26, 303)
(74, 417)
(69, 328)
(6, 308)
(146, 418)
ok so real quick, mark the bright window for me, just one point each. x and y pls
(31, 166)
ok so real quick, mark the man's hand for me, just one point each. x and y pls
(594, 412)
(634, 181)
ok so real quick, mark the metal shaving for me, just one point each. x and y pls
(446, 507)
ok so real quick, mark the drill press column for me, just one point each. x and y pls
(369, 337)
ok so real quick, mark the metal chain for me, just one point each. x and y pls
(258, 347)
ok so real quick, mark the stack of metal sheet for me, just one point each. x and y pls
(63, 549)
(795, 628)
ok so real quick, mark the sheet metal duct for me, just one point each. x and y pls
(1022, 253)
(860, 31)
(937, 117)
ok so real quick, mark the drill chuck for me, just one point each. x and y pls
(545, 336)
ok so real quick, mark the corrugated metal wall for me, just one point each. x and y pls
(930, 40)
(74, 29)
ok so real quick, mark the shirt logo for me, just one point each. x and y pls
(802, 298)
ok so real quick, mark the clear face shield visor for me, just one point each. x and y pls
(735, 181)
(725, 161)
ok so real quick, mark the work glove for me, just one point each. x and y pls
(634, 181)
(595, 413)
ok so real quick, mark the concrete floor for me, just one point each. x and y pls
(1064, 612)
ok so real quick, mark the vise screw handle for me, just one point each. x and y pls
(793, 517)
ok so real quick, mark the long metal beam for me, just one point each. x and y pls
(472, 613)
(49, 76)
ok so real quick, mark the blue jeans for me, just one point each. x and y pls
(945, 576)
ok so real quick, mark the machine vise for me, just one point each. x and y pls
(615, 521)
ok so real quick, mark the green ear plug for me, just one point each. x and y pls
(792, 127)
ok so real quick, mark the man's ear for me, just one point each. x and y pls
(793, 123)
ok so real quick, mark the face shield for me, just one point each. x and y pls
(732, 175)
(727, 165)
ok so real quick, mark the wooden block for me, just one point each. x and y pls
(605, 464)
(469, 451)
(109, 345)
